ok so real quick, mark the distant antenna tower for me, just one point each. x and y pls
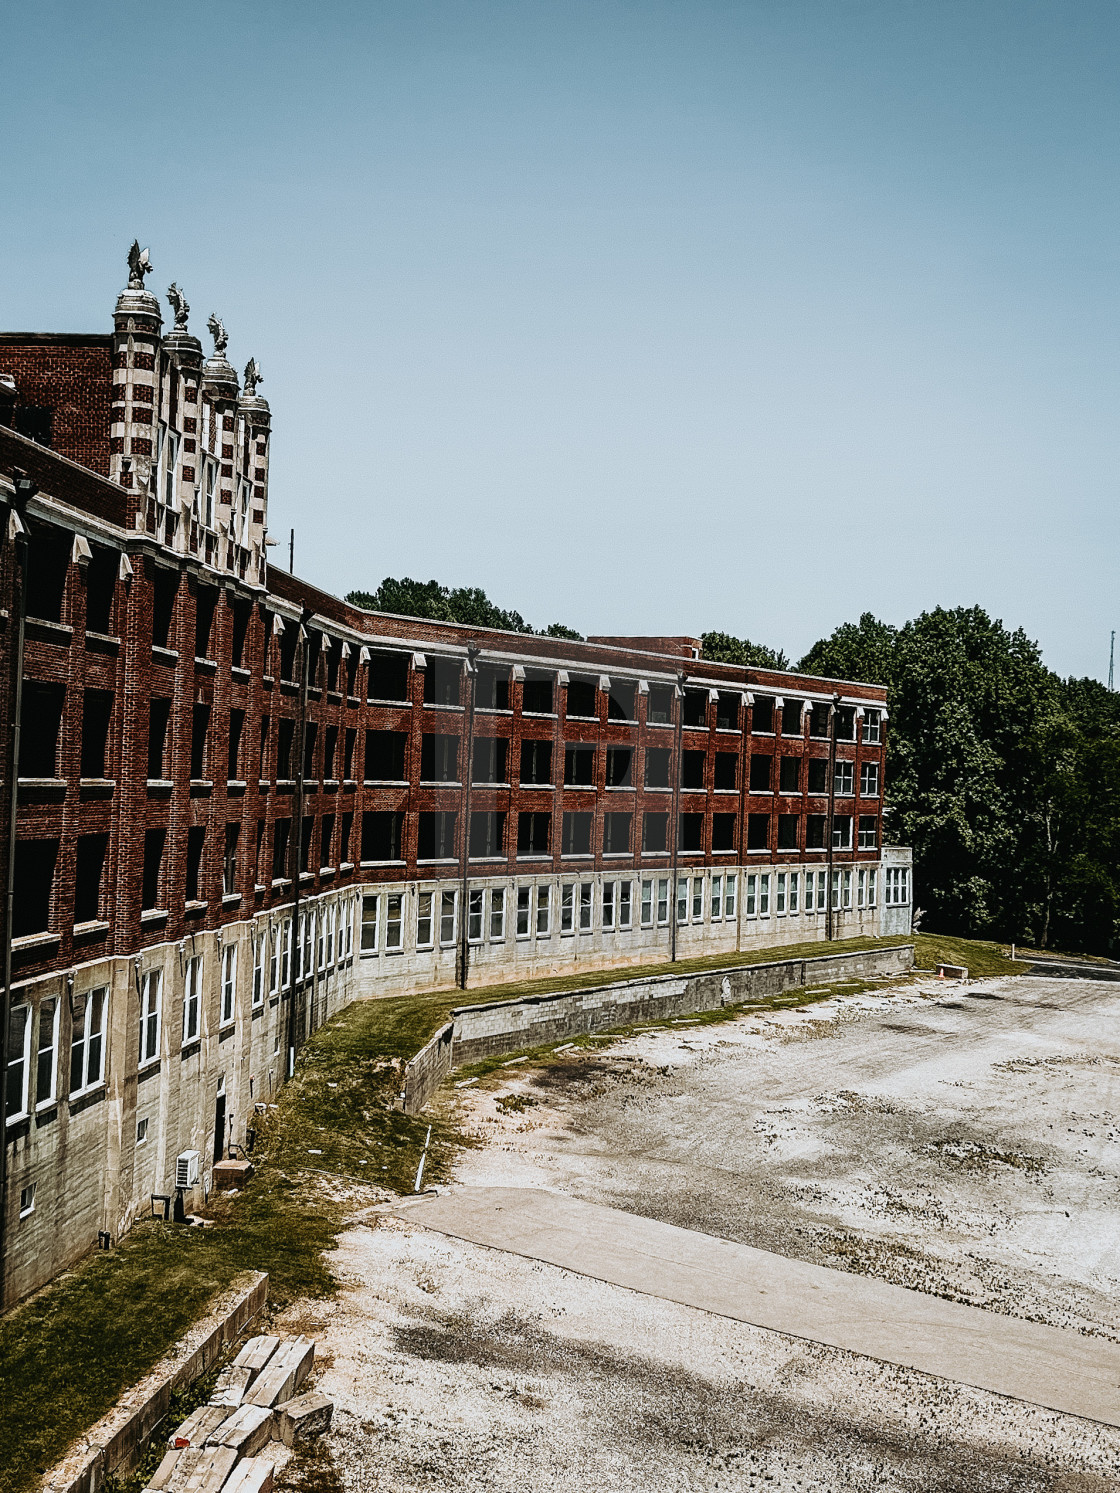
(1111, 659)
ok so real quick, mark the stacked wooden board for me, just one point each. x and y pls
(222, 1447)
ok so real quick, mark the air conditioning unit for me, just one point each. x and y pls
(186, 1169)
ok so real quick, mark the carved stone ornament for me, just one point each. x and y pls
(139, 265)
(219, 334)
(179, 304)
(253, 376)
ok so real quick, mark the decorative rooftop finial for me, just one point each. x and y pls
(219, 334)
(179, 305)
(253, 376)
(139, 265)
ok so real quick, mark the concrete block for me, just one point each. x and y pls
(232, 1173)
(952, 972)
(284, 1373)
(166, 1469)
(230, 1386)
(306, 1416)
(195, 1469)
(247, 1430)
(256, 1353)
(198, 1426)
(252, 1475)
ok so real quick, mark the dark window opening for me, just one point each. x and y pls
(814, 831)
(536, 697)
(579, 766)
(326, 840)
(159, 713)
(97, 712)
(351, 669)
(616, 833)
(576, 834)
(791, 718)
(307, 831)
(154, 840)
(692, 832)
(436, 836)
(533, 832)
(657, 767)
(846, 723)
(787, 831)
(200, 723)
(34, 421)
(47, 568)
(818, 720)
(536, 762)
(655, 833)
(790, 775)
(692, 769)
(88, 877)
(727, 770)
(289, 641)
(488, 836)
(387, 676)
(344, 841)
(492, 688)
(381, 836)
(581, 697)
(206, 604)
(659, 704)
(695, 707)
(622, 702)
(229, 859)
(257, 853)
(314, 651)
(620, 761)
(727, 711)
(491, 755)
(723, 831)
(385, 756)
(101, 588)
(236, 730)
(443, 680)
(818, 775)
(32, 882)
(330, 747)
(310, 737)
(266, 726)
(762, 717)
(348, 753)
(281, 835)
(758, 831)
(40, 717)
(762, 772)
(285, 740)
(334, 659)
(439, 759)
(165, 588)
(242, 611)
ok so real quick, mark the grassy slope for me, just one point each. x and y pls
(76, 1345)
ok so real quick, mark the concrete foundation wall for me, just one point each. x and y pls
(428, 1069)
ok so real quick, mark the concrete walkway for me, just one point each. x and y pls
(1042, 1365)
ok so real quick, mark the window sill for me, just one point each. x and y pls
(491, 710)
(154, 915)
(434, 705)
(395, 704)
(55, 631)
(537, 787)
(104, 641)
(202, 786)
(450, 860)
(285, 784)
(499, 857)
(545, 857)
(236, 785)
(545, 715)
(330, 785)
(206, 665)
(346, 866)
(306, 876)
(385, 782)
(616, 855)
(151, 1065)
(90, 928)
(231, 899)
(280, 883)
(160, 785)
(311, 785)
(370, 865)
(97, 785)
(264, 784)
(43, 784)
(326, 870)
(35, 940)
(165, 655)
(16, 1120)
(491, 786)
(237, 672)
(439, 783)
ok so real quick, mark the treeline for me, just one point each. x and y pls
(1004, 778)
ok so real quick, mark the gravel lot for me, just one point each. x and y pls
(963, 1140)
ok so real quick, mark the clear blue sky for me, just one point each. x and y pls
(645, 317)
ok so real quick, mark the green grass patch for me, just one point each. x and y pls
(983, 959)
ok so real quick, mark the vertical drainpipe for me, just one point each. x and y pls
(25, 491)
(296, 842)
(833, 715)
(468, 772)
(675, 827)
(746, 704)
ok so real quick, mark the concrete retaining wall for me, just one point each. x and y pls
(115, 1444)
(427, 1070)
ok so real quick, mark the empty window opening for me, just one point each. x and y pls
(616, 833)
(281, 838)
(789, 775)
(385, 756)
(846, 723)
(533, 833)
(196, 844)
(579, 766)
(47, 572)
(536, 695)
(695, 707)
(655, 834)
(326, 841)
(659, 705)
(727, 771)
(692, 832)
(818, 775)
(490, 759)
(347, 830)
(200, 724)
(758, 831)
(792, 718)
(242, 612)
(348, 753)
(97, 712)
(307, 831)
(723, 831)
(622, 701)
(443, 680)
(762, 717)
(581, 697)
(32, 884)
(101, 588)
(692, 769)
(815, 825)
(40, 717)
(492, 688)
(488, 832)
(762, 770)
(657, 767)
(89, 876)
(387, 676)
(727, 711)
(439, 758)
(236, 731)
(154, 840)
(536, 762)
(619, 767)
(330, 749)
(436, 840)
(819, 717)
(229, 860)
(787, 831)
(284, 741)
(381, 835)
(206, 604)
(334, 659)
(289, 641)
(165, 588)
(310, 740)
(576, 839)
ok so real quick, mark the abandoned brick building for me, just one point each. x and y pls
(237, 803)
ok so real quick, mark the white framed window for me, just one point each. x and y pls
(371, 907)
(717, 898)
(19, 1063)
(869, 780)
(794, 888)
(780, 894)
(872, 728)
(448, 907)
(897, 886)
(322, 947)
(27, 1200)
(842, 832)
(751, 907)
(497, 914)
(258, 970)
(822, 891)
(697, 899)
(210, 481)
(810, 884)
(868, 832)
(351, 916)
(861, 889)
(730, 892)
(871, 887)
(662, 901)
(625, 890)
(764, 895)
(844, 778)
(567, 907)
(274, 960)
(608, 906)
(394, 920)
(46, 1058)
(682, 899)
(309, 944)
(171, 451)
(87, 1040)
(846, 891)
(142, 1131)
(192, 998)
(524, 910)
(151, 989)
(332, 914)
(647, 903)
(544, 911)
(424, 939)
(586, 906)
(286, 959)
(229, 983)
(475, 909)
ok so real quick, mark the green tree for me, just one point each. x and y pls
(722, 648)
(467, 604)
(862, 650)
